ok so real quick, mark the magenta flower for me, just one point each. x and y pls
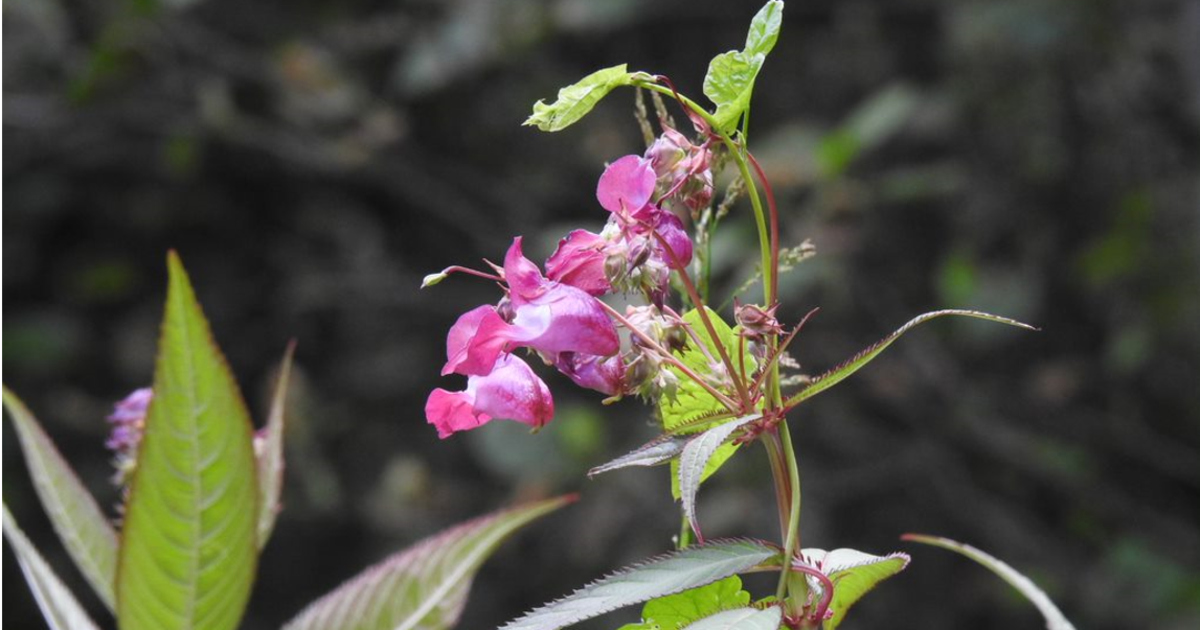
(128, 421)
(605, 375)
(511, 391)
(475, 341)
(579, 262)
(626, 186)
(683, 169)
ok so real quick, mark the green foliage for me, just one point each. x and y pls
(59, 607)
(424, 586)
(575, 101)
(853, 574)
(1055, 620)
(188, 553)
(657, 451)
(680, 609)
(746, 618)
(729, 83)
(694, 462)
(78, 520)
(657, 577)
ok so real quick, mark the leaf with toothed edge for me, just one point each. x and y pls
(188, 550)
(748, 618)
(695, 461)
(841, 372)
(657, 577)
(652, 453)
(1055, 620)
(81, 525)
(269, 457)
(424, 586)
(58, 605)
(853, 573)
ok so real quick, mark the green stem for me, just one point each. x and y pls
(792, 540)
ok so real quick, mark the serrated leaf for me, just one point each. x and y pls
(694, 463)
(188, 551)
(657, 451)
(729, 84)
(576, 100)
(853, 574)
(269, 462)
(1055, 620)
(664, 575)
(680, 609)
(80, 523)
(424, 586)
(747, 618)
(764, 28)
(858, 361)
(58, 605)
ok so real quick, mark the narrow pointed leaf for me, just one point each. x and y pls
(1055, 620)
(695, 461)
(657, 577)
(853, 574)
(188, 550)
(747, 618)
(59, 606)
(424, 586)
(80, 523)
(269, 456)
(576, 100)
(841, 372)
(657, 451)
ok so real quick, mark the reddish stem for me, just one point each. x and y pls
(773, 211)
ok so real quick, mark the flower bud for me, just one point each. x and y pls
(757, 322)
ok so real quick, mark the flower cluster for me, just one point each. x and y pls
(557, 315)
(128, 421)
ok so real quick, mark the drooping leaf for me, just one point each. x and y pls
(576, 100)
(1055, 620)
(269, 453)
(853, 574)
(657, 577)
(652, 453)
(729, 83)
(80, 523)
(764, 28)
(694, 462)
(188, 550)
(58, 605)
(424, 586)
(747, 618)
(855, 363)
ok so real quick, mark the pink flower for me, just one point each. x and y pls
(475, 341)
(510, 392)
(671, 229)
(626, 186)
(128, 422)
(605, 375)
(579, 262)
(683, 169)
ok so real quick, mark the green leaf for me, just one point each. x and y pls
(188, 551)
(1055, 620)
(841, 372)
(853, 574)
(575, 101)
(675, 611)
(269, 461)
(764, 28)
(424, 586)
(695, 460)
(652, 453)
(78, 520)
(657, 577)
(59, 606)
(729, 84)
(747, 618)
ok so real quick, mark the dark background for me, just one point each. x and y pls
(312, 161)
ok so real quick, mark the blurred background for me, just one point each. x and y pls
(312, 161)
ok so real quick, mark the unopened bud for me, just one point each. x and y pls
(757, 322)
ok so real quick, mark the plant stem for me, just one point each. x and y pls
(792, 540)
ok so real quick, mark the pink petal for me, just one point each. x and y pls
(450, 412)
(525, 280)
(513, 392)
(579, 262)
(606, 376)
(565, 319)
(475, 341)
(626, 185)
(671, 229)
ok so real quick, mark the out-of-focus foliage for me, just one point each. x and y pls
(1029, 157)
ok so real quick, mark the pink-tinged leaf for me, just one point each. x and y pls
(59, 606)
(748, 618)
(80, 523)
(424, 586)
(188, 546)
(694, 461)
(841, 372)
(853, 574)
(658, 451)
(664, 575)
(269, 452)
(1055, 620)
